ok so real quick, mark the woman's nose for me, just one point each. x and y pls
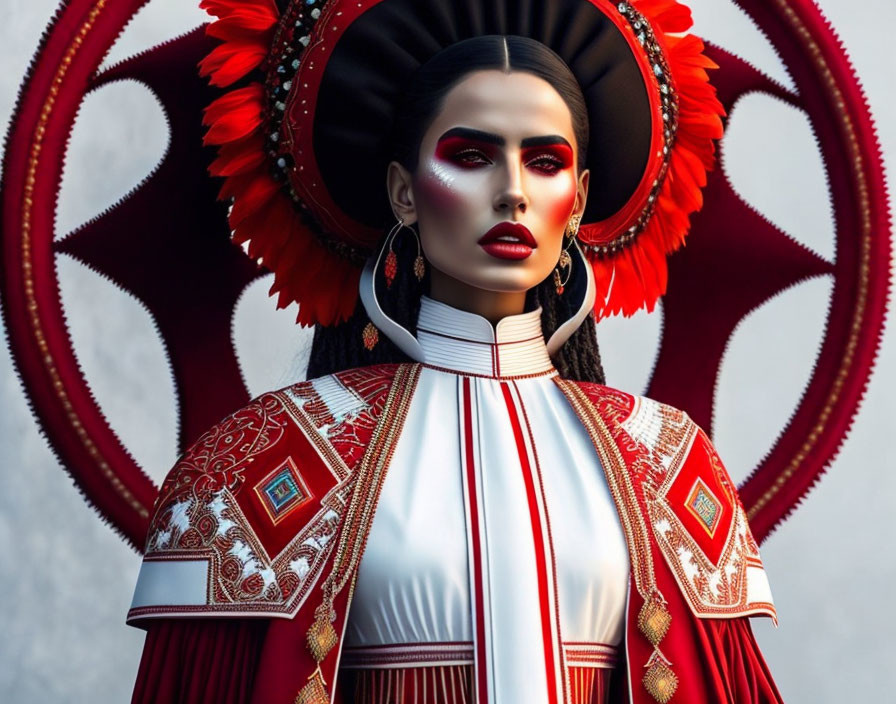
(511, 195)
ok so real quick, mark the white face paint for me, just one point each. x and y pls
(443, 174)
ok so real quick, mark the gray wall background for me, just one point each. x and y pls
(67, 578)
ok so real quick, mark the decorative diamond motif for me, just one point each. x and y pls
(315, 692)
(370, 336)
(321, 637)
(654, 620)
(660, 681)
(282, 491)
(703, 504)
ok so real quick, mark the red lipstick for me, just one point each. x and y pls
(508, 240)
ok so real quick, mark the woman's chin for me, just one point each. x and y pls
(506, 282)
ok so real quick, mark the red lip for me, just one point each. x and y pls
(519, 247)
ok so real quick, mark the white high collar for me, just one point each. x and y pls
(464, 342)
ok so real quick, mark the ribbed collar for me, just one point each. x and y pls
(467, 343)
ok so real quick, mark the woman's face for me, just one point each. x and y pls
(496, 182)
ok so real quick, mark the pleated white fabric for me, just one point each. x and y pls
(496, 538)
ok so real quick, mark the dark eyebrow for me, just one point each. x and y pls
(497, 140)
(475, 135)
(545, 141)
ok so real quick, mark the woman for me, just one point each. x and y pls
(477, 522)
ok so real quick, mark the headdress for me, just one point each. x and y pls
(312, 88)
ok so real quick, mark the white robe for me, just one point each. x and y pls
(496, 540)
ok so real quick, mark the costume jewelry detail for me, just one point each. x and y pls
(572, 227)
(315, 692)
(390, 267)
(560, 280)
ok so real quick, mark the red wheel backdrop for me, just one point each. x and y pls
(734, 261)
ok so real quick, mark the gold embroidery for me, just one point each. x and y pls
(322, 636)
(371, 473)
(315, 692)
(718, 585)
(705, 507)
(659, 679)
(654, 620)
(621, 488)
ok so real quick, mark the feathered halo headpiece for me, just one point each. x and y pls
(314, 83)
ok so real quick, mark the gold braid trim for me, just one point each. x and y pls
(654, 619)
(368, 482)
(620, 482)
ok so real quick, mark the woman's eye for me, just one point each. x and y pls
(546, 164)
(471, 158)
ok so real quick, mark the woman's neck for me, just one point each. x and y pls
(491, 305)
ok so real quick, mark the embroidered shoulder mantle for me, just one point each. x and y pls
(248, 517)
(672, 491)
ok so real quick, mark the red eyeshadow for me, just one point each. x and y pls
(450, 148)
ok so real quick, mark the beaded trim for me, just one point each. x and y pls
(669, 101)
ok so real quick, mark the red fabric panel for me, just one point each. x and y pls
(732, 652)
(726, 667)
(194, 661)
(451, 684)
(589, 685)
(438, 684)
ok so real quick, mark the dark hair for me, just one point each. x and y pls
(435, 79)
(340, 347)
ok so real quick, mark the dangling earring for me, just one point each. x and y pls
(560, 281)
(572, 227)
(565, 262)
(390, 267)
(419, 263)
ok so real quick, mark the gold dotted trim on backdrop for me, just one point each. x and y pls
(849, 130)
(27, 266)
